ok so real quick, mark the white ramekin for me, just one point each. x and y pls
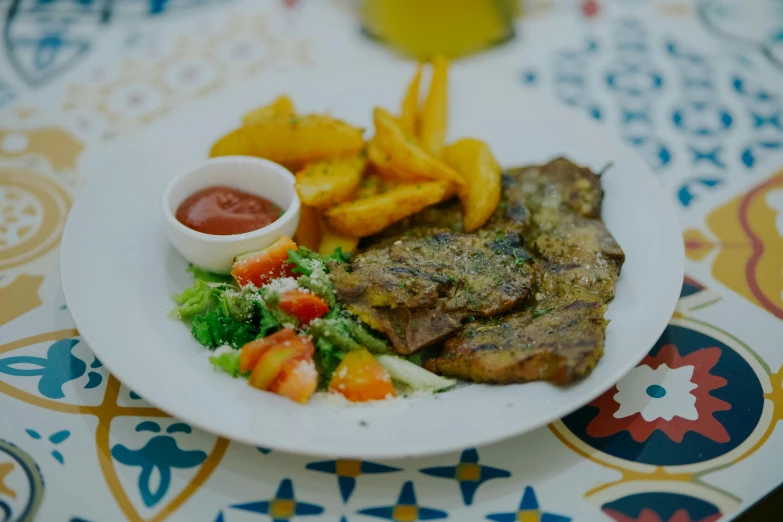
(265, 178)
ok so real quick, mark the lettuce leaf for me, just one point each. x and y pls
(193, 300)
(327, 357)
(239, 305)
(268, 324)
(214, 329)
(228, 362)
(305, 261)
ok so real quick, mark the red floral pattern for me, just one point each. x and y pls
(648, 515)
(605, 424)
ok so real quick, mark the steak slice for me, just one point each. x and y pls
(559, 340)
(556, 209)
(417, 290)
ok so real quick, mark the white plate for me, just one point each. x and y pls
(119, 271)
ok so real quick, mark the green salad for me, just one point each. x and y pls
(276, 321)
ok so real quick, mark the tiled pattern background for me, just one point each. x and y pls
(690, 435)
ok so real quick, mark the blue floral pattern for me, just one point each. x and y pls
(57, 368)
(468, 473)
(161, 453)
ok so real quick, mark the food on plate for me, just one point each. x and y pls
(303, 305)
(333, 241)
(224, 211)
(433, 120)
(297, 140)
(367, 216)
(409, 111)
(419, 290)
(393, 285)
(238, 142)
(405, 158)
(281, 105)
(480, 194)
(258, 268)
(277, 323)
(328, 182)
(360, 378)
(559, 340)
(235, 143)
(308, 232)
(547, 224)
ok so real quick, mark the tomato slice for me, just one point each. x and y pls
(265, 265)
(305, 306)
(280, 363)
(359, 378)
(270, 364)
(252, 351)
(297, 379)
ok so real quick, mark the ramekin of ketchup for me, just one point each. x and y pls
(224, 211)
(228, 206)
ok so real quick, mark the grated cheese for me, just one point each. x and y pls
(282, 284)
(220, 350)
(306, 369)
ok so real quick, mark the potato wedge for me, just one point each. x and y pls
(308, 232)
(370, 185)
(331, 240)
(367, 216)
(328, 182)
(281, 105)
(409, 112)
(434, 116)
(235, 143)
(381, 162)
(480, 194)
(303, 139)
(406, 159)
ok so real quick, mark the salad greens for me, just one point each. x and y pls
(272, 301)
(227, 361)
(214, 329)
(224, 317)
(192, 300)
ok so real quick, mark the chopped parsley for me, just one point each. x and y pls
(543, 311)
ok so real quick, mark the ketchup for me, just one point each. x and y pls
(224, 211)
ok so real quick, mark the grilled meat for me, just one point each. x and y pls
(545, 259)
(556, 208)
(559, 340)
(418, 290)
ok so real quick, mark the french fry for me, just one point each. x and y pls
(328, 182)
(367, 216)
(235, 143)
(406, 160)
(331, 240)
(409, 111)
(281, 105)
(303, 139)
(308, 232)
(480, 194)
(433, 121)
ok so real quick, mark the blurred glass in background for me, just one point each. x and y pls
(426, 28)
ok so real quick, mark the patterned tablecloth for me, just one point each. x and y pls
(689, 435)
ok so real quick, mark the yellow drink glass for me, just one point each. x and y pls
(426, 28)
